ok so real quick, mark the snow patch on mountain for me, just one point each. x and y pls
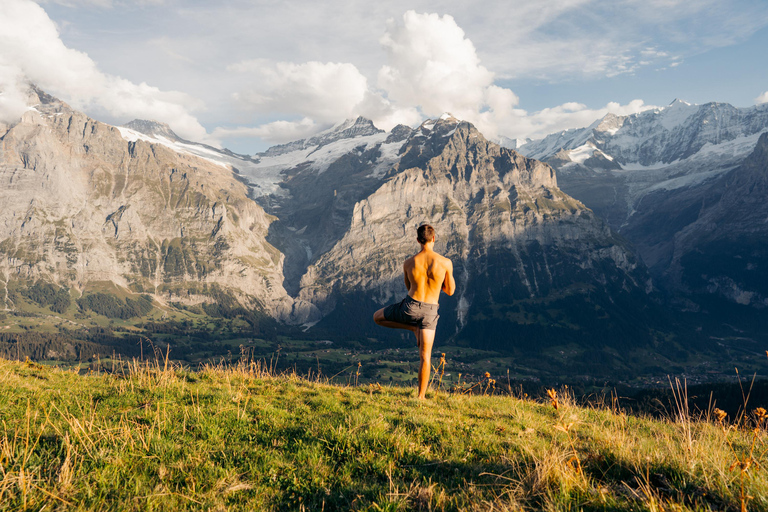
(582, 153)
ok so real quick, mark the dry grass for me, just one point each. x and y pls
(156, 437)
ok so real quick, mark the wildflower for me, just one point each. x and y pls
(720, 414)
(552, 394)
(487, 375)
(761, 413)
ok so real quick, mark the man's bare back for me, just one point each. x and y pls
(426, 274)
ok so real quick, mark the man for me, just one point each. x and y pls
(425, 274)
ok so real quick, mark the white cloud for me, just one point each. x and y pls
(275, 132)
(337, 69)
(105, 4)
(430, 63)
(520, 124)
(13, 100)
(324, 91)
(33, 51)
(763, 98)
(433, 67)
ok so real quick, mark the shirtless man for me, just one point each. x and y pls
(426, 274)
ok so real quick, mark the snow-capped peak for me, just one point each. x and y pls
(678, 102)
(153, 129)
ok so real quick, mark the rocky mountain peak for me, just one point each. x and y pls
(611, 123)
(677, 102)
(442, 126)
(351, 128)
(153, 129)
(38, 96)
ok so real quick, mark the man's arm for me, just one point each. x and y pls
(449, 284)
(405, 277)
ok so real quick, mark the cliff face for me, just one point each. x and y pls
(724, 251)
(83, 205)
(524, 252)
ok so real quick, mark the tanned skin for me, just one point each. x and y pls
(426, 274)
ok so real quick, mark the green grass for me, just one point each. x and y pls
(242, 438)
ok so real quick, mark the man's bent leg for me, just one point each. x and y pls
(425, 338)
(378, 317)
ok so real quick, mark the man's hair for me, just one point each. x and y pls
(425, 233)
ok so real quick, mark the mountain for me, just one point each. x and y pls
(724, 251)
(83, 206)
(315, 232)
(652, 175)
(534, 266)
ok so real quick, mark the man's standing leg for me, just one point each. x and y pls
(425, 338)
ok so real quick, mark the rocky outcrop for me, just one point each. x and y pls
(83, 205)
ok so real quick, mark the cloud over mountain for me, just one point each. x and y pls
(32, 51)
(431, 67)
(256, 73)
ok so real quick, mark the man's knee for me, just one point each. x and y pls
(378, 316)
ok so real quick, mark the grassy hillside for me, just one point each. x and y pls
(241, 438)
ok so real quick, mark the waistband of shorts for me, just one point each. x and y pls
(424, 304)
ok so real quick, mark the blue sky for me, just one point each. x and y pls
(730, 74)
(248, 74)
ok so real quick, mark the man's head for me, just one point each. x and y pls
(425, 234)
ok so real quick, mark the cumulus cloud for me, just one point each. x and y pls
(521, 124)
(433, 67)
(431, 63)
(324, 91)
(34, 53)
(763, 98)
(276, 131)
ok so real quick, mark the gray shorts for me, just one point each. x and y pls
(413, 312)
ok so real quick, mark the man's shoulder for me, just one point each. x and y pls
(445, 260)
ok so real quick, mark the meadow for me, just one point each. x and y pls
(155, 436)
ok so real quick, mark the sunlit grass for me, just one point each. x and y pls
(157, 437)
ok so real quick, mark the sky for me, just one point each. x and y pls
(250, 74)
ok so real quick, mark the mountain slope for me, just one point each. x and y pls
(81, 205)
(725, 250)
(618, 162)
(652, 175)
(336, 216)
(530, 260)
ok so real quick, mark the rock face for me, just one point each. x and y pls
(655, 175)
(83, 205)
(724, 251)
(524, 252)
